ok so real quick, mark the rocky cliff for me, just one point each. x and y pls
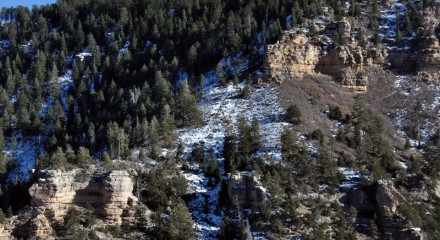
(110, 193)
(424, 58)
(293, 55)
(298, 54)
(384, 199)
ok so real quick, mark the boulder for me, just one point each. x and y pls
(356, 198)
(410, 234)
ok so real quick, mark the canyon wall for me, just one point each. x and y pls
(297, 55)
(56, 191)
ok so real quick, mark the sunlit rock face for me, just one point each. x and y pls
(110, 193)
(297, 55)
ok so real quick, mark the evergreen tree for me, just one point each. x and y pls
(153, 131)
(399, 38)
(179, 226)
(167, 123)
(229, 152)
(187, 112)
(288, 143)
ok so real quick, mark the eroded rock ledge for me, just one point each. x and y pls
(110, 193)
(297, 54)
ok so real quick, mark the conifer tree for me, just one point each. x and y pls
(166, 123)
(187, 112)
(288, 143)
(153, 131)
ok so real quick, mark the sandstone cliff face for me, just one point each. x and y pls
(383, 198)
(245, 190)
(109, 193)
(297, 55)
(436, 190)
(56, 191)
(294, 55)
(429, 63)
(425, 59)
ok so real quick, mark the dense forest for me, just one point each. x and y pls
(125, 91)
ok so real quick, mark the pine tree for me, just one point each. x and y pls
(417, 118)
(153, 131)
(212, 168)
(408, 25)
(399, 38)
(179, 226)
(288, 143)
(161, 90)
(245, 138)
(187, 112)
(255, 134)
(58, 159)
(220, 73)
(83, 157)
(229, 152)
(167, 124)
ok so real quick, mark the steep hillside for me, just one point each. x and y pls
(217, 119)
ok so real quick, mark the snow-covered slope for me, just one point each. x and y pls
(221, 108)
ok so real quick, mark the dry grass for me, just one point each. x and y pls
(314, 94)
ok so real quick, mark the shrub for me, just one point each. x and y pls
(317, 135)
(293, 114)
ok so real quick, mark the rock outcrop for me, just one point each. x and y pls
(245, 190)
(425, 58)
(436, 190)
(297, 55)
(429, 64)
(294, 55)
(387, 196)
(383, 199)
(109, 193)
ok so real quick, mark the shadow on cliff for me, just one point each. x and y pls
(15, 197)
(93, 193)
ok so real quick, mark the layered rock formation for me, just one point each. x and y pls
(294, 55)
(297, 55)
(428, 60)
(425, 58)
(109, 193)
(245, 190)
